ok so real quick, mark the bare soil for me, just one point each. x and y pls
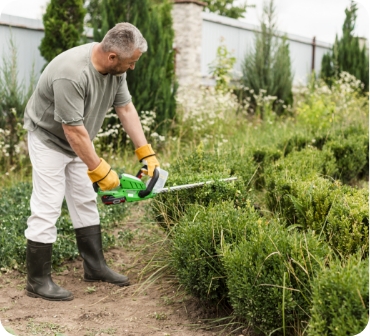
(101, 308)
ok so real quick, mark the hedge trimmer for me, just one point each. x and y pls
(133, 189)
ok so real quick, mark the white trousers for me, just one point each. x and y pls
(55, 176)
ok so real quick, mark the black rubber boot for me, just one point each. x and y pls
(89, 244)
(39, 282)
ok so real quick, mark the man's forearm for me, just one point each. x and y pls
(80, 142)
(131, 123)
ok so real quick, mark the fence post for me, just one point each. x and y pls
(313, 54)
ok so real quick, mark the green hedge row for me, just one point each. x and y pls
(347, 150)
(297, 191)
(275, 279)
(267, 267)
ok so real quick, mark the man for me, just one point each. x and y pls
(62, 117)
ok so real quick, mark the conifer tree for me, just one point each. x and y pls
(63, 23)
(151, 84)
(268, 66)
(347, 54)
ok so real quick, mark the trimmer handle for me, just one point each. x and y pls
(96, 186)
(151, 184)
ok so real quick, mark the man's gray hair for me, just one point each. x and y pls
(123, 39)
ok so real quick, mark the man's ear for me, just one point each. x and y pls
(112, 57)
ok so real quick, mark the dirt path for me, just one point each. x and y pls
(100, 308)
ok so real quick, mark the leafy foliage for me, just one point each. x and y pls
(347, 54)
(340, 298)
(63, 22)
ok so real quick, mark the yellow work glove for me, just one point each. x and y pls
(104, 176)
(146, 156)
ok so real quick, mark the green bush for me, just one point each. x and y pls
(200, 167)
(197, 239)
(338, 213)
(14, 212)
(282, 178)
(263, 156)
(268, 277)
(347, 224)
(340, 299)
(351, 155)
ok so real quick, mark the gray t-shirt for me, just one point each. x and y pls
(71, 91)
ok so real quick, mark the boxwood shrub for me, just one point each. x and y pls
(351, 156)
(336, 212)
(196, 242)
(168, 208)
(340, 296)
(268, 277)
(282, 177)
(347, 224)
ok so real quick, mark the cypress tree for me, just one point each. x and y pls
(268, 66)
(151, 84)
(347, 54)
(64, 24)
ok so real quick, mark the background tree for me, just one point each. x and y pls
(64, 25)
(151, 84)
(268, 67)
(227, 8)
(347, 54)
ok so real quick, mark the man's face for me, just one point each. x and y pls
(119, 66)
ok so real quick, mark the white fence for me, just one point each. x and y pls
(239, 38)
(26, 34)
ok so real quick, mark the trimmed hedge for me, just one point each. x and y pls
(340, 296)
(196, 242)
(268, 277)
(168, 208)
(351, 156)
(298, 192)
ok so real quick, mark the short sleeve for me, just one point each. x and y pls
(68, 102)
(123, 96)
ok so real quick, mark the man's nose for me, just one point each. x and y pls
(132, 66)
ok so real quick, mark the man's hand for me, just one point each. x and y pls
(146, 155)
(106, 178)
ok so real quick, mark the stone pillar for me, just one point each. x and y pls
(187, 24)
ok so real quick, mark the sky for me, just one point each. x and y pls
(308, 18)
